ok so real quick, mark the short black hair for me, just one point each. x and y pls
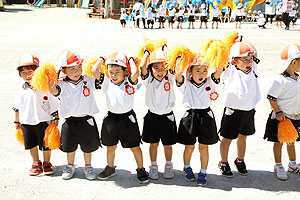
(29, 67)
(123, 68)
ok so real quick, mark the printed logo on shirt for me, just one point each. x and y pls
(208, 88)
(86, 91)
(167, 86)
(213, 96)
(129, 90)
(46, 104)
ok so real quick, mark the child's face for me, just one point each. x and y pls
(199, 73)
(116, 73)
(27, 74)
(159, 70)
(296, 65)
(73, 73)
(244, 63)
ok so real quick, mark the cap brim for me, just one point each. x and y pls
(27, 64)
(116, 63)
(157, 61)
(284, 65)
(75, 63)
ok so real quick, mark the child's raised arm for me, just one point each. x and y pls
(218, 72)
(143, 63)
(134, 71)
(178, 71)
(17, 122)
(96, 67)
(279, 114)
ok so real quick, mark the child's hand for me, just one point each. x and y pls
(280, 116)
(177, 67)
(17, 125)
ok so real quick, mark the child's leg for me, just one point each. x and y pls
(277, 152)
(168, 152)
(205, 24)
(110, 155)
(138, 155)
(291, 152)
(71, 157)
(204, 156)
(153, 152)
(241, 146)
(217, 25)
(87, 158)
(224, 149)
(187, 154)
(34, 152)
(47, 155)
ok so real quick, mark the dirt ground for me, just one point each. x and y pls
(46, 32)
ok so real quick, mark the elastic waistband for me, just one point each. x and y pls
(79, 118)
(157, 115)
(199, 110)
(120, 114)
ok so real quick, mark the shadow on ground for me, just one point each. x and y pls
(256, 179)
(16, 10)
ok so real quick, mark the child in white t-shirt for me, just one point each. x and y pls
(161, 16)
(34, 111)
(150, 17)
(191, 14)
(180, 16)
(171, 18)
(159, 122)
(120, 124)
(77, 107)
(123, 17)
(242, 93)
(216, 15)
(238, 15)
(203, 14)
(284, 98)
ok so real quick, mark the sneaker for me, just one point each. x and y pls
(280, 172)
(68, 172)
(168, 173)
(188, 174)
(36, 168)
(107, 173)
(142, 175)
(89, 172)
(153, 172)
(241, 167)
(294, 169)
(225, 170)
(202, 179)
(48, 168)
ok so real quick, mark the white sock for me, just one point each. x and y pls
(187, 166)
(203, 171)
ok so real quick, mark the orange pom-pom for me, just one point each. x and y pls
(287, 132)
(159, 43)
(186, 54)
(205, 45)
(52, 137)
(87, 66)
(42, 77)
(19, 135)
(230, 38)
(150, 45)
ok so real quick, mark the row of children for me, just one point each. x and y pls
(161, 71)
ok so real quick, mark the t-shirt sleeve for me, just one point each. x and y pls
(181, 87)
(17, 102)
(276, 89)
(146, 78)
(54, 104)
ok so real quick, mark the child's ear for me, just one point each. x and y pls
(126, 72)
(233, 62)
(63, 70)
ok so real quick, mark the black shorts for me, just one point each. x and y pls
(203, 18)
(122, 21)
(235, 122)
(293, 19)
(216, 19)
(278, 18)
(171, 19)
(159, 127)
(180, 19)
(34, 135)
(121, 127)
(238, 18)
(191, 18)
(272, 128)
(150, 21)
(162, 19)
(80, 130)
(198, 123)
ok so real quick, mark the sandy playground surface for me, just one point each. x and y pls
(46, 32)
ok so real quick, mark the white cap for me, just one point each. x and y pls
(69, 59)
(240, 49)
(288, 54)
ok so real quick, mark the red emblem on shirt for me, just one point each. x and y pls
(167, 86)
(207, 88)
(213, 96)
(45, 98)
(130, 90)
(86, 92)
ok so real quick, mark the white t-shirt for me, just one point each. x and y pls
(77, 99)
(203, 10)
(191, 11)
(242, 91)
(270, 10)
(34, 106)
(261, 21)
(123, 16)
(215, 12)
(172, 12)
(292, 13)
(279, 9)
(150, 15)
(181, 13)
(161, 12)
(286, 90)
(238, 12)
(198, 96)
(160, 96)
(119, 98)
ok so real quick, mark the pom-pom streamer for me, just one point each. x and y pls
(287, 132)
(150, 45)
(230, 38)
(42, 77)
(19, 135)
(52, 137)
